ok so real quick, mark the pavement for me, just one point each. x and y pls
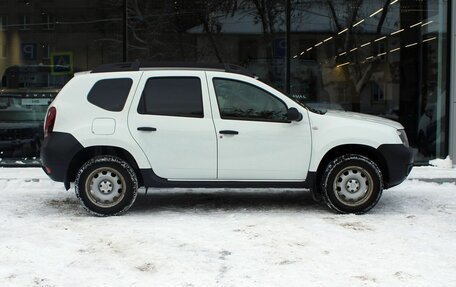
(433, 174)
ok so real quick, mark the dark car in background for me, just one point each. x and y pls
(25, 94)
(21, 128)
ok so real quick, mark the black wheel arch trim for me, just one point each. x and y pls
(394, 160)
(57, 151)
(88, 153)
(399, 162)
(64, 155)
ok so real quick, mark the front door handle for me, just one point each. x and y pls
(229, 132)
(147, 129)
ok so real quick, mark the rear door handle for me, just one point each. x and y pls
(147, 129)
(228, 132)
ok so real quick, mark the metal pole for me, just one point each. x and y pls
(452, 95)
(288, 38)
(125, 30)
(441, 100)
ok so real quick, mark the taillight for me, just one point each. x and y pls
(50, 120)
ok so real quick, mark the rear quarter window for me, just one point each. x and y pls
(110, 94)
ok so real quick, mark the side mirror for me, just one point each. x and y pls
(294, 115)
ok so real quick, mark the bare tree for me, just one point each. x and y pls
(359, 73)
(271, 14)
(210, 12)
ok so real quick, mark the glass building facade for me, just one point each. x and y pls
(382, 57)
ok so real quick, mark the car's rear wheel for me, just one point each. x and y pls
(352, 184)
(106, 185)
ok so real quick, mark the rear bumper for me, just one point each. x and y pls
(399, 163)
(57, 151)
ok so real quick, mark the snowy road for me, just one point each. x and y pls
(225, 238)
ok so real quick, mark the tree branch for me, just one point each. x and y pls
(383, 17)
(333, 14)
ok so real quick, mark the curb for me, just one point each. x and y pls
(436, 180)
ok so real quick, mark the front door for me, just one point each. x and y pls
(171, 120)
(255, 140)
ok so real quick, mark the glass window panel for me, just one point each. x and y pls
(386, 58)
(42, 44)
(110, 94)
(248, 33)
(172, 96)
(243, 101)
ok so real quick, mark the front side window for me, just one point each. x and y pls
(172, 96)
(242, 101)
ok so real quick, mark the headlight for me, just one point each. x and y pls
(403, 136)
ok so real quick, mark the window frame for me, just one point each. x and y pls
(142, 99)
(3, 22)
(25, 22)
(3, 51)
(244, 118)
(48, 21)
(46, 49)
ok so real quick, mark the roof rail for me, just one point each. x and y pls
(117, 67)
(136, 66)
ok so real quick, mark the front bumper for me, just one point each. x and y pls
(399, 163)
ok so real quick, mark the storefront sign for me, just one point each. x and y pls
(62, 63)
(28, 51)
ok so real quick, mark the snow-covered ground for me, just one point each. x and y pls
(227, 237)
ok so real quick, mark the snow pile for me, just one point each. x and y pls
(224, 237)
(442, 163)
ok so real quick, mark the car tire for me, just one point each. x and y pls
(106, 185)
(351, 184)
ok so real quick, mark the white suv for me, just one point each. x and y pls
(123, 126)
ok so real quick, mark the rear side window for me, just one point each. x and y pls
(172, 96)
(110, 94)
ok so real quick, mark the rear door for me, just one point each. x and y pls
(171, 120)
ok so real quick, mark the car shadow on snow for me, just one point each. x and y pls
(229, 199)
(252, 200)
(66, 205)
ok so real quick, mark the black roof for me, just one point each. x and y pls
(136, 66)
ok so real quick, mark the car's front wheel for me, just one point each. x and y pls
(106, 185)
(351, 184)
